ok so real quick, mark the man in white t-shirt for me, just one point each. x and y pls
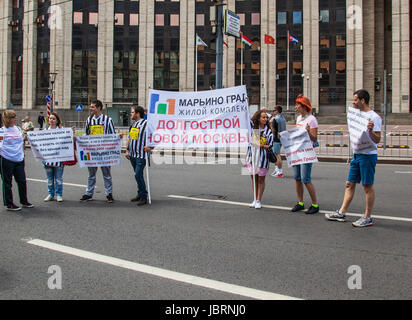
(363, 164)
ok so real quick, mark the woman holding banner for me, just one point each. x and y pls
(12, 162)
(302, 173)
(54, 170)
(257, 160)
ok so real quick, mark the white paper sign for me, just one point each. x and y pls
(99, 150)
(298, 147)
(359, 136)
(1, 137)
(204, 119)
(52, 145)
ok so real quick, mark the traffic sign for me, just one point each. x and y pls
(79, 107)
(48, 98)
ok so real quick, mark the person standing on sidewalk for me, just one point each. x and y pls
(362, 166)
(12, 162)
(136, 151)
(40, 120)
(302, 172)
(99, 124)
(278, 122)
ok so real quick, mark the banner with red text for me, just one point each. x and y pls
(204, 119)
(298, 147)
(99, 150)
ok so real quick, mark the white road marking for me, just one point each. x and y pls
(408, 172)
(64, 183)
(286, 208)
(162, 273)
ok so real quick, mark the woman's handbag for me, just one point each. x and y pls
(271, 156)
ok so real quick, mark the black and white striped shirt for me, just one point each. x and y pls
(101, 125)
(137, 139)
(266, 138)
(52, 164)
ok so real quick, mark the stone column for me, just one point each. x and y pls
(187, 46)
(5, 53)
(379, 51)
(29, 55)
(311, 51)
(146, 49)
(229, 54)
(369, 49)
(268, 53)
(400, 56)
(61, 26)
(354, 48)
(105, 47)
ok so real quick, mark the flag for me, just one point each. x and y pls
(225, 43)
(293, 39)
(269, 39)
(246, 41)
(199, 42)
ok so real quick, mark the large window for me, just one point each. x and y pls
(84, 56)
(332, 53)
(289, 19)
(126, 52)
(166, 48)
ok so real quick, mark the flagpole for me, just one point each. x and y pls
(241, 59)
(196, 65)
(266, 74)
(287, 71)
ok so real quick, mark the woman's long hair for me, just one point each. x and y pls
(256, 118)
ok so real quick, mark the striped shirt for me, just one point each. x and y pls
(137, 139)
(266, 138)
(101, 125)
(52, 164)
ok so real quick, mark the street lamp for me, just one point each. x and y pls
(52, 79)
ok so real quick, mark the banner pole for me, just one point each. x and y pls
(148, 179)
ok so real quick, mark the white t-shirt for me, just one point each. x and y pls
(377, 120)
(12, 149)
(308, 119)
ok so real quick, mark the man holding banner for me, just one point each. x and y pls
(365, 133)
(98, 124)
(136, 152)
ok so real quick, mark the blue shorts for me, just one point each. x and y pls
(276, 147)
(362, 168)
(302, 172)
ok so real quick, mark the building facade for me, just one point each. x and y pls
(116, 51)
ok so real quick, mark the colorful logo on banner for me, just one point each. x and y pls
(84, 156)
(158, 107)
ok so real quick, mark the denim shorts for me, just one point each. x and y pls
(276, 147)
(362, 169)
(302, 172)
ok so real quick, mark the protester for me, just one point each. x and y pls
(99, 124)
(12, 162)
(27, 126)
(302, 173)
(40, 120)
(362, 166)
(262, 141)
(54, 170)
(136, 151)
(279, 125)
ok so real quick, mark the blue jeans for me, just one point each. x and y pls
(302, 172)
(138, 167)
(91, 180)
(55, 180)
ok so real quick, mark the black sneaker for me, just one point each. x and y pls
(312, 210)
(28, 205)
(298, 207)
(142, 202)
(135, 199)
(109, 198)
(13, 207)
(86, 198)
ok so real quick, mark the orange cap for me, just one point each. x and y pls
(301, 99)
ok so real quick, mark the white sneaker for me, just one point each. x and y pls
(258, 205)
(59, 198)
(274, 173)
(253, 204)
(49, 198)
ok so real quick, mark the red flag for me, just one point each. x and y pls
(225, 43)
(269, 39)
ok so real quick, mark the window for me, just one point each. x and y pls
(200, 19)
(77, 17)
(242, 18)
(255, 17)
(297, 17)
(340, 40)
(174, 20)
(340, 66)
(324, 42)
(324, 67)
(119, 19)
(282, 17)
(134, 19)
(340, 15)
(324, 16)
(160, 20)
(93, 17)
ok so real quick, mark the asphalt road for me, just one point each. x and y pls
(271, 250)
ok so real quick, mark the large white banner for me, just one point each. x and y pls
(204, 119)
(358, 131)
(99, 150)
(1, 137)
(298, 147)
(52, 145)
